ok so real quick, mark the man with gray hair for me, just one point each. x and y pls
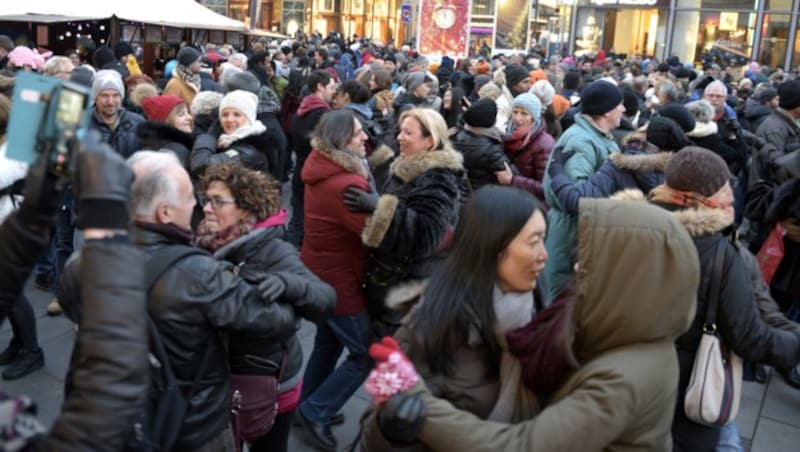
(60, 67)
(195, 298)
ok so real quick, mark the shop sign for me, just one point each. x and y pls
(625, 2)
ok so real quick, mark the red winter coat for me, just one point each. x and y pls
(528, 149)
(332, 246)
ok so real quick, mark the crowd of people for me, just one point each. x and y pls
(543, 237)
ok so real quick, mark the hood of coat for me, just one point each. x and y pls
(622, 245)
(361, 109)
(754, 109)
(641, 162)
(311, 103)
(325, 163)
(254, 134)
(408, 168)
(703, 129)
(154, 133)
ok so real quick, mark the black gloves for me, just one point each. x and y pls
(358, 200)
(271, 288)
(557, 160)
(402, 417)
(102, 183)
(43, 192)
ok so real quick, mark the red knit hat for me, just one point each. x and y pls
(158, 108)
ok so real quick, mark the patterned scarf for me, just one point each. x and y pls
(212, 241)
(191, 79)
(689, 199)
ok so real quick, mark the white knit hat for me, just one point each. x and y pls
(107, 79)
(544, 91)
(243, 101)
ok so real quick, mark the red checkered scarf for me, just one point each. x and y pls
(689, 199)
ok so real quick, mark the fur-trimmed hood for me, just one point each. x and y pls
(641, 162)
(703, 129)
(343, 158)
(408, 168)
(700, 221)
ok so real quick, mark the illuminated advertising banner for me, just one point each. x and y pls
(511, 25)
(444, 28)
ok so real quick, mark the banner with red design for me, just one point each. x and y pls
(444, 28)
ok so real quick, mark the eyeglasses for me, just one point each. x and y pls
(216, 202)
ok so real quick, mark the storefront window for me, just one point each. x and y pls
(783, 5)
(725, 37)
(631, 31)
(719, 4)
(483, 8)
(774, 39)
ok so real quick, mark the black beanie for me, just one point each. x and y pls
(102, 57)
(599, 98)
(515, 74)
(187, 56)
(630, 100)
(789, 95)
(122, 49)
(679, 114)
(482, 113)
(666, 134)
(697, 170)
(572, 80)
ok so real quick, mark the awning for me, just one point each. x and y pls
(266, 34)
(172, 13)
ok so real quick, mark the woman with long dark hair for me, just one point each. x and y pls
(452, 107)
(487, 286)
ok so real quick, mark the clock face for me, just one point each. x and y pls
(444, 16)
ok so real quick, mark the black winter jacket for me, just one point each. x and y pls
(123, 138)
(252, 149)
(256, 254)
(190, 304)
(156, 136)
(754, 114)
(483, 153)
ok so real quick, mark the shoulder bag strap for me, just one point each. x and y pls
(714, 286)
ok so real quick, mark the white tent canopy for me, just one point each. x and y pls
(171, 13)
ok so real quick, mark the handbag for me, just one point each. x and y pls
(715, 388)
(255, 403)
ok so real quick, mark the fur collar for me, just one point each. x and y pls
(641, 162)
(703, 129)
(700, 221)
(348, 160)
(155, 133)
(225, 140)
(408, 168)
(635, 136)
(380, 156)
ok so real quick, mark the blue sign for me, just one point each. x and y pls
(405, 13)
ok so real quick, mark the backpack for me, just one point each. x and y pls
(165, 408)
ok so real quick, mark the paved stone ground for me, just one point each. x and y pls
(769, 420)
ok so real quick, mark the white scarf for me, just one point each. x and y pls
(226, 140)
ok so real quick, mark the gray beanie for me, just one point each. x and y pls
(107, 79)
(413, 81)
(243, 80)
(187, 56)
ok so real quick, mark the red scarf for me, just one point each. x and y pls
(212, 241)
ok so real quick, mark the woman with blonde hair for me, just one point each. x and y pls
(412, 216)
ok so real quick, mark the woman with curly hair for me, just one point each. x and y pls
(244, 225)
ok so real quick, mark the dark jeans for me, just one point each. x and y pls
(295, 233)
(689, 436)
(23, 324)
(326, 388)
(277, 440)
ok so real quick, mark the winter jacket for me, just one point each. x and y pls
(528, 149)
(780, 130)
(332, 246)
(278, 84)
(631, 169)
(767, 307)
(708, 135)
(257, 254)
(755, 113)
(590, 147)
(407, 101)
(622, 396)
(176, 86)
(482, 149)
(738, 321)
(156, 136)
(190, 304)
(503, 109)
(249, 145)
(416, 214)
(12, 174)
(308, 115)
(122, 137)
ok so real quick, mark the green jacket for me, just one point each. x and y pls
(590, 147)
(636, 292)
(278, 84)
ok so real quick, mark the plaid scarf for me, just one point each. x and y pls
(188, 76)
(212, 241)
(665, 194)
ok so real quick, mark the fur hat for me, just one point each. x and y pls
(679, 114)
(205, 102)
(697, 170)
(666, 134)
(701, 110)
(244, 101)
(544, 91)
(107, 79)
(141, 92)
(244, 81)
(789, 93)
(531, 104)
(187, 56)
(600, 97)
(482, 113)
(158, 108)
